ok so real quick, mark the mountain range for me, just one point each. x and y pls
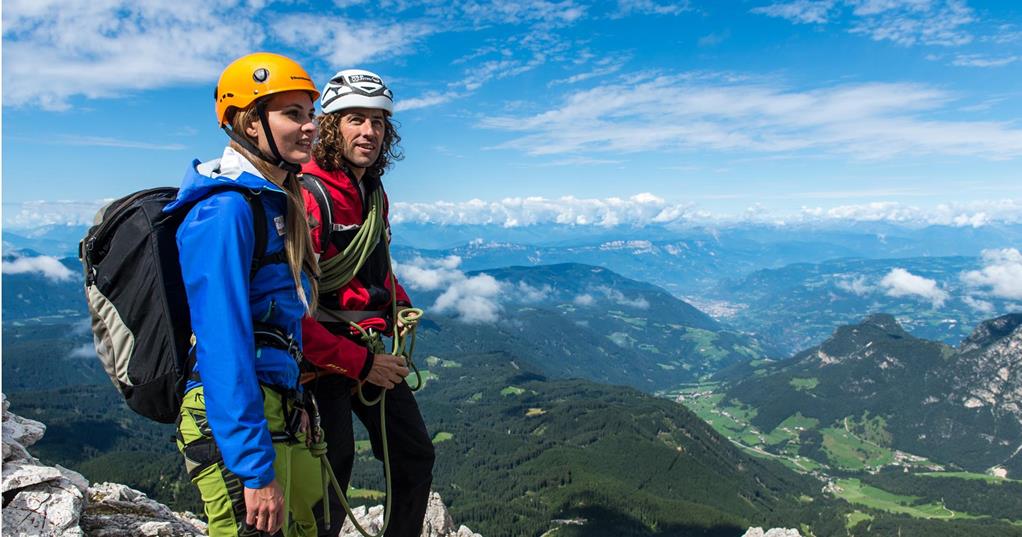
(878, 383)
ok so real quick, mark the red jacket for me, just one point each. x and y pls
(369, 290)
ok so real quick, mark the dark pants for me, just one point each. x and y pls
(409, 444)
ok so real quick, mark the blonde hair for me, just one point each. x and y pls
(297, 241)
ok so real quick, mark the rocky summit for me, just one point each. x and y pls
(52, 501)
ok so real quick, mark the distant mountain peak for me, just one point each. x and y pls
(990, 331)
(884, 321)
(855, 340)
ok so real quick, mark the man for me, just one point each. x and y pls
(343, 192)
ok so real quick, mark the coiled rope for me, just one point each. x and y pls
(335, 273)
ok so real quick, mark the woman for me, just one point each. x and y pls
(242, 424)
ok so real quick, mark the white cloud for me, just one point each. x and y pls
(33, 214)
(544, 12)
(978, 304)
(799, 11)
(650, 7)
(619, 298)
(637, 210)
(430, 99)
(1001, 274)
(82, 327)
(584, 300)
(912, 22)
(526, 293)
(49, 267)
(55, 50)
(902, 283)
(474, 299)
(971, 214)
(87, 350)
(979, 60)
(345, 42)
(904, 22)
(700, 111)
(856, 285)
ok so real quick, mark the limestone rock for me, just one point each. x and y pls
(18, 434)
(772, 532)
(116, 510)
(437, 523)
(19, 475)
(51, 508)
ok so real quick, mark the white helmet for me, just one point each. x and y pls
(356, 88)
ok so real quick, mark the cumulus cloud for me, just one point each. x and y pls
(584, 299)
(49, 267)
(689, 112)
(474, 299)
(1001, 275)
(902, 283)
(54, 50)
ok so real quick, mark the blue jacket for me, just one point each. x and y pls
(216, 242)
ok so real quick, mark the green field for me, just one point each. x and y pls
(971, 475)
(855, 517)
(849, 451)
(442, 436)
(512, 390)
(804, 384)
(853, 491)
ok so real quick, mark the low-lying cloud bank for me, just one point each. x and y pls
(638, 210)
(648, 209)
(999, 278)
(49, 267)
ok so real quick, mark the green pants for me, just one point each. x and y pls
(297, 472)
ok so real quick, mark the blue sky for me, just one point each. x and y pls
(534, 111)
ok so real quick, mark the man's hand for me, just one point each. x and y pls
(388, 371)
(402, 328)
(265, 507)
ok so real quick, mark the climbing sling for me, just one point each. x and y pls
(335, 273)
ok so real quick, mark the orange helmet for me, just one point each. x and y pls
(258, 75)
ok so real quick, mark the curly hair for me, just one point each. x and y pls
(327, 149)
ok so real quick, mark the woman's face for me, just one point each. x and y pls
(290, 115)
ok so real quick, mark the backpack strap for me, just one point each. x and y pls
(259, 223)
(313, 184)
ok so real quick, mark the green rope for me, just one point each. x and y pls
(335, 273)
(340, 269)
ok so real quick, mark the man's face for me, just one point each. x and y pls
(362, 130)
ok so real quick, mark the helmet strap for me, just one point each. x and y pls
(280, 162)
(276, 159)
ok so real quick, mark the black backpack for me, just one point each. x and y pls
(140, 320)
